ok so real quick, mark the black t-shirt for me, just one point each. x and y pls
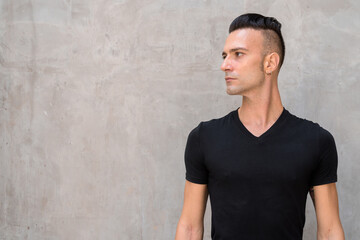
(258, 185)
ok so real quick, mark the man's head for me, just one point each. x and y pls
(270, 29)
(253, 53)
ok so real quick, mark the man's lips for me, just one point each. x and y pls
(229, 78)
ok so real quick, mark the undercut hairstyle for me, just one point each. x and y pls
(271, 30)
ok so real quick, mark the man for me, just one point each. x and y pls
(258, 162)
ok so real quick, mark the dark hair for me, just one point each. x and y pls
(260, 22)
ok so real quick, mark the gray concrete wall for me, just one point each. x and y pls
(97, 99)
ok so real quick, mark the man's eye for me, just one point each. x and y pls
(238, 53)
(223, 56)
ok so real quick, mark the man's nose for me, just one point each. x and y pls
(226, 65)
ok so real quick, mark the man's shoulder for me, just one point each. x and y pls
(310, 126)
(215, 123)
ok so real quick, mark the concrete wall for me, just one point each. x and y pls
(97, 99)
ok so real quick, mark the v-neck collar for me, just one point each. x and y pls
(268, 132)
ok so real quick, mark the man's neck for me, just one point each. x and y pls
(261, 111)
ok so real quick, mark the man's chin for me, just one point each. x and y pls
(233, 91)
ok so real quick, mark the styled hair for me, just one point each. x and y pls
(260, 22)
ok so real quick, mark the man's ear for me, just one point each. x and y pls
(271, 62)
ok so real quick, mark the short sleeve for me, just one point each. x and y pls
(196, 170)
(326, 170)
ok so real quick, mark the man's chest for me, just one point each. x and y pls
(272, 163)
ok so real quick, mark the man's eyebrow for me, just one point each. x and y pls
(235, 49)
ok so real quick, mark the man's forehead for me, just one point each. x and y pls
(244, 38)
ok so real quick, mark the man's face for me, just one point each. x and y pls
(243, 61)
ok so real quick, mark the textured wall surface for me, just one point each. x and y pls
(97, 99)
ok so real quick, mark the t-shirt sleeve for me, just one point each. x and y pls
(196, 170)
(326, 170)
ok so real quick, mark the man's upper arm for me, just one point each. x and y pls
(195, 198)
(196, 192)
(327, 208)
(196, 169)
